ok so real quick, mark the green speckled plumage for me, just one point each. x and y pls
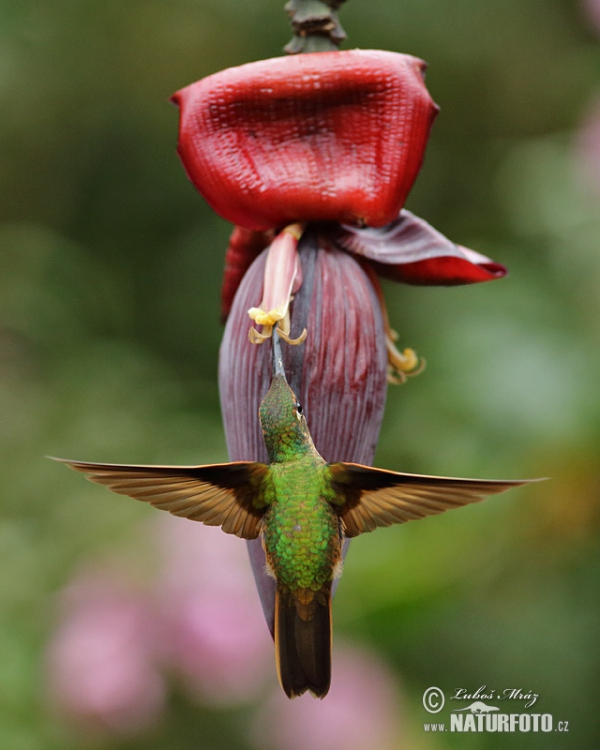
(301, 531)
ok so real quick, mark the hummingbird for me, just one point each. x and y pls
(302, 508)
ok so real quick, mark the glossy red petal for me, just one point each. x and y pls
(412, 251)
(330, 136)
(442, 271)
(339, 373)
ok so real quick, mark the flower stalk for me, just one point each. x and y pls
(316, 26)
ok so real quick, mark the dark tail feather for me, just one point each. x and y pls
(303, 641)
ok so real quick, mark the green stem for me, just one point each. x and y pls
(316, 26)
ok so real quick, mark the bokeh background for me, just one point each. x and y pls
(120, 629)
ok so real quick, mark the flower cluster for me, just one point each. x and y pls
(330, 141)
(116, 638)
(312, 158)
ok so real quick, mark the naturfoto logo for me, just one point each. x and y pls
(481, 716)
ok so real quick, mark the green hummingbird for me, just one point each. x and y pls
(303, 508)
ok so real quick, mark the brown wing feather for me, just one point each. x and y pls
(374, 497)
(227, 495)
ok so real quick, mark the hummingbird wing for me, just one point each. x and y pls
(370, 497)
(226, 495)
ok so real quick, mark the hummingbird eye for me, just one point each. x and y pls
(299, 410)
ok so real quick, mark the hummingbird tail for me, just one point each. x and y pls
(303, 641)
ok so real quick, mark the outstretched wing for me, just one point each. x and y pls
(370, 497)
(227, 495)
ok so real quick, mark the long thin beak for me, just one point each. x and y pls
(278, 368)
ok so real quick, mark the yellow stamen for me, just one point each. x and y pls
(293, 342)
(283, 329)
(401, 365)
(264, 318)
(259, 338)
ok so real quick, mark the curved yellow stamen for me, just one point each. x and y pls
(259, 338)
(283, 329)
(407, 360)
(401, 365)
(288, 340)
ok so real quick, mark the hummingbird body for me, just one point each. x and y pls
(302, 539)
(301, 530)
(302, 508)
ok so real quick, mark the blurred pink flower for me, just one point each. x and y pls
(214, 635)
(201, 620)
(361, 711)
(587, 144)
(592, 11)
(100, 661)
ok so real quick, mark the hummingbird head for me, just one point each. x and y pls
(284, 427)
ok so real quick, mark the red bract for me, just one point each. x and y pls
(411, 251)
(331, 136)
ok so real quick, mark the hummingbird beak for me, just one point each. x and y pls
(278, 368)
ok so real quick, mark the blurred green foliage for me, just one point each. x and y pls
(110, 268)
